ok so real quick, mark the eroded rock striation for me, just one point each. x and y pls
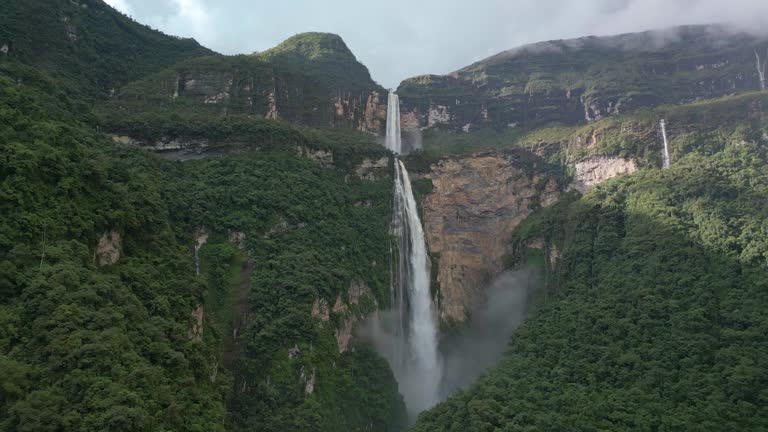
(469, 216)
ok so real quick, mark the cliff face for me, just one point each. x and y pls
(584, 80)
(311, 79)
(593, 171)
(251, 87)
(475, 205)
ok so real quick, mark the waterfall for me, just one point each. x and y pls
(666, 162)
(197, 261)
(414, 357)
(393, 140)
(761, 71)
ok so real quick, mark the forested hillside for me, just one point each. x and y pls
(311, 79)
(188, 240)
(87, 46)
(582, 80)
(655, 317)
(92, 345)
(145, 294)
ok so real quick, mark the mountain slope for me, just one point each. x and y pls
(86, 44)
(144, 294)
(326, 57)
(105, 324)
(656, 314)
(311, 79)
(582, 80)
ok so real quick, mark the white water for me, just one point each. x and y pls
(197, 260)
(761, 71)
(393, 140)
(667, 160)
(413, 355)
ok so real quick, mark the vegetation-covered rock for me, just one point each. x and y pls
(582, 80)
(656, 314)
(87, 46)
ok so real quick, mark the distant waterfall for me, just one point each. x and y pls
(666, 162)
(414, 358)
(761, 71)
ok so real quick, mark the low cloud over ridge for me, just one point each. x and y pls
(400, 38)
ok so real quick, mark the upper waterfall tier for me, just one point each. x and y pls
(393, 141)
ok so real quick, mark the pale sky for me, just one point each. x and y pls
(398, 39)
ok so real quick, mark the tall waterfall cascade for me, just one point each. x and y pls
(394, 137)
(761, 66)
(415, 360)
(667, 160)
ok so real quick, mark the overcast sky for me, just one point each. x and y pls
(398, 39)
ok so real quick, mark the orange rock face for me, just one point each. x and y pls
(469, 217)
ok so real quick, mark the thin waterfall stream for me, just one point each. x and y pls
(666, 162)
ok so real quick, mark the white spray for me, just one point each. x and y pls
(667, 161)
(413, 355)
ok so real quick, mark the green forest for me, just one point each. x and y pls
(655, 319)
(91, 346)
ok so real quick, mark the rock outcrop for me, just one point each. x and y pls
(593, 171)
(469, 216)
(373, 169)
(237, 238)
(308, 380)
(350, 310)
(166, 144)
(321, 310)
(196, 327)
(110, 248)
(323, 158)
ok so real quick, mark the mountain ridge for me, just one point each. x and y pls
(583, 80)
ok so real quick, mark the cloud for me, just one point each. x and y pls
(402, 38)
(122, 5)
(188, 18)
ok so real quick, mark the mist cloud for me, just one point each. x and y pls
(465, 354)
(472, 351)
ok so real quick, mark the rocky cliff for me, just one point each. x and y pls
(475, 204)
(311, 79)
(583, 80)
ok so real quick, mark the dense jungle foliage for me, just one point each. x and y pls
(702, 126)
(87, 46)
(656, 317)
(90, 347)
